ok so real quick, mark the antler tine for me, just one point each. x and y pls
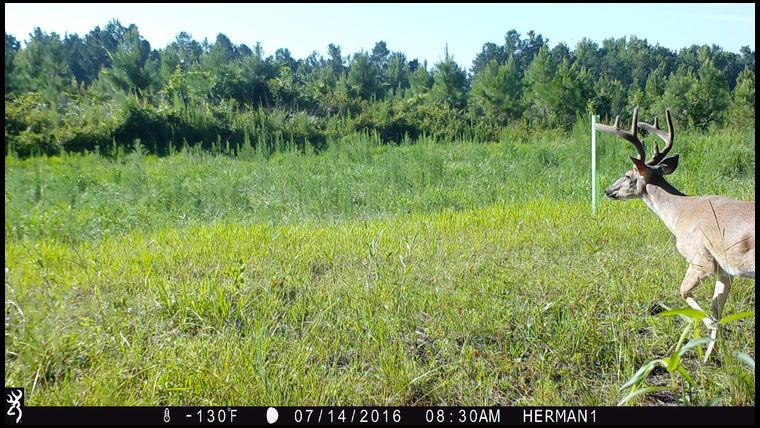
(658, 156)
(626, 135)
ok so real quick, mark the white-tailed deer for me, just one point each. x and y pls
(715, 234)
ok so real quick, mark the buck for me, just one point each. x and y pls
(715, 234)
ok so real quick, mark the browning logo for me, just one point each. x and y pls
(14, 398)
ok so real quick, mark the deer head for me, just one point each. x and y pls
(633, 183)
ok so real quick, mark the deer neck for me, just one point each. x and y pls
(664, 200)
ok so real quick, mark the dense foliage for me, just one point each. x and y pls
(109, 88)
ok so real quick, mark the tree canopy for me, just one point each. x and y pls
(111, 87)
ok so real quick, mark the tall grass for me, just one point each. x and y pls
(80, 197)
(440, 272)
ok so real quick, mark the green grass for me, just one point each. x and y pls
(436, 273)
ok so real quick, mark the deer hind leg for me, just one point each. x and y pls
(722, 288)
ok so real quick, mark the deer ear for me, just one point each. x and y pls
(642, 167)
(669, 165)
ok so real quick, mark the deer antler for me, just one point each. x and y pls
(629, 136)
(654, 128)
(16, 396)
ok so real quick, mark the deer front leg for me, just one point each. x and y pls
(722, 288)
(694, 276)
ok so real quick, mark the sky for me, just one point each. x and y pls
(420, 31)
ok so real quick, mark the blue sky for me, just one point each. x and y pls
(419, 30)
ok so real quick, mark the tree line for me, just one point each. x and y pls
(110, 89)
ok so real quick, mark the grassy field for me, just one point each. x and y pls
(448, 273)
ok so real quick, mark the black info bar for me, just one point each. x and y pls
(431, 416)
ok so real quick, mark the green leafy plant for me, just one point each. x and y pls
(672, 363)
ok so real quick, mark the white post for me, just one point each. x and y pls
(593, 164)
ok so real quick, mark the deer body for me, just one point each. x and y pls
(715, 234)
(694, 220)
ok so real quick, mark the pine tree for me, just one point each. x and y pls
(449, 83)
(497, 91)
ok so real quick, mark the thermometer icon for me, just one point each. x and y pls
(166, 415)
